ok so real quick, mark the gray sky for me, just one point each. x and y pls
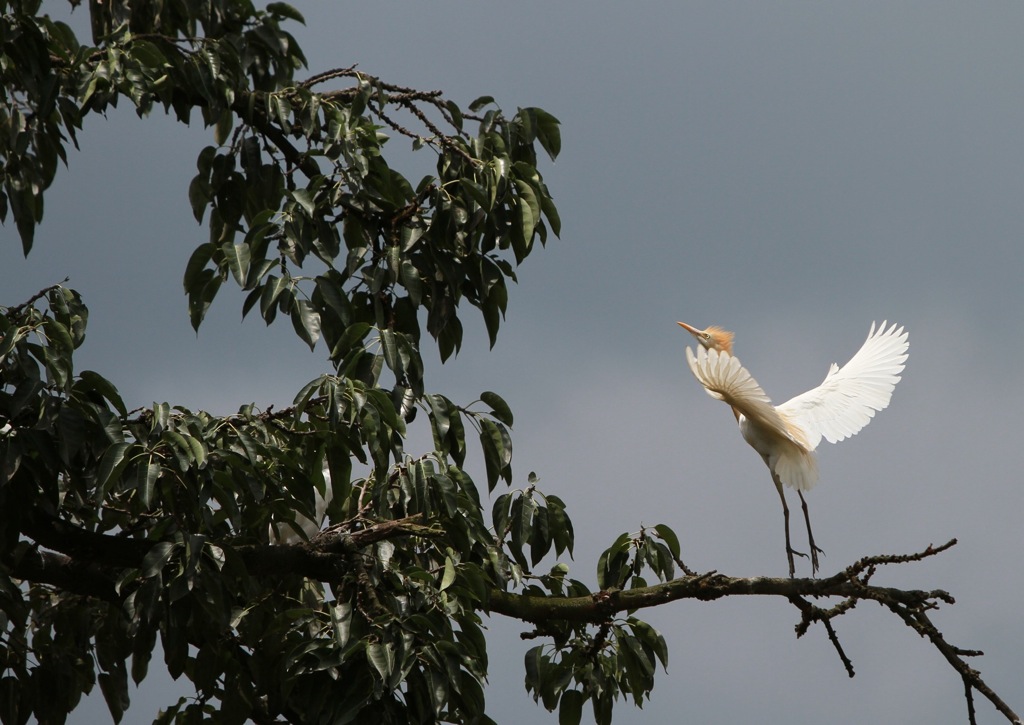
(788, 170)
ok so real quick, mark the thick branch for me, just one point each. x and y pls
(86, 546)
(255, 114)
(598, 607)
(63, 572)
(850, 583)
(85, 552)
(337, 540)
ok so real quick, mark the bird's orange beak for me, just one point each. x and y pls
(691, 330)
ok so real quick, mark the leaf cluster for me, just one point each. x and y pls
(162, 518)
(600, 658)
(167, 523)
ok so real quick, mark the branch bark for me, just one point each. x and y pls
(65, 573)
(83, 557)
(600, 606)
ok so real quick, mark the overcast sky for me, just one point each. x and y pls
(791, 171)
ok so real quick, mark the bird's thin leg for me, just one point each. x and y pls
(785, 513)
(810, 536)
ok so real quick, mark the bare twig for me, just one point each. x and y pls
(328, 75)
(918, 620)
(34, 298)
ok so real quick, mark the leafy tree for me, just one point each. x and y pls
(119, 528)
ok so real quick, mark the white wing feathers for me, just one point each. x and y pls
(851, 395)
(724, 378)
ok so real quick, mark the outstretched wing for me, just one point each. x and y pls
(725, 379)
(850, 395)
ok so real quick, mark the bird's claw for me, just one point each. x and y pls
(814, 557)
(789, 554)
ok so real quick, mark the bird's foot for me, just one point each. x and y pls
(815, 550)
(790, 551)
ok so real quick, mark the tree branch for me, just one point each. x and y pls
(706, 587)
(918, 620)
(63, 572)
(83, 554)
(851, 584)
(11, 312)
(81, 545)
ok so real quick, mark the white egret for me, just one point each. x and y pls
(786, 435)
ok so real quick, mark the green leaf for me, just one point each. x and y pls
(652, 638)
(148, 54)
(540, 536)
(142, 651)
(304, 198)
(341, 621)
(24, 218)
(612, 565)
(497, 448)
(663, 564)
(90, 381)
(522, 232)
(499, 408)
(114, 686)
(201, 296)
(440, 419)
(457, 439)
(534, 665)
(390, 350)
(10, 339)
(306, 322)
(112, 465)
(10, 695)
(548, 132)
(551, 212)
(449, 573)
(382, 658)
(285, 10)
(561, 526)
(272, 290)
(196, 266)
(480, 103)
(638, 668)
(237, 258)
(410, 278)
(156, 557)
(145, 483)
(522, 531)
(670, 538)
(570, 708)
(456, 114)
(500, 513)
(199, 196)
(197, 449)
(353, 335)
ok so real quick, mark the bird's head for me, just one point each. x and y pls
(713, 338)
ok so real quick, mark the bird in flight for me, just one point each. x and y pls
(786, 435)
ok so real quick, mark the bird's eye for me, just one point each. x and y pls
(707, 336)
